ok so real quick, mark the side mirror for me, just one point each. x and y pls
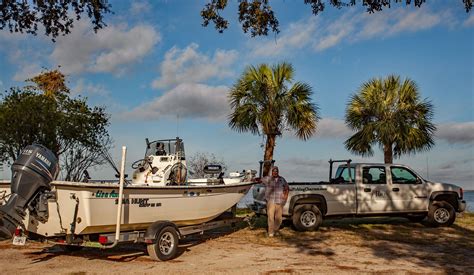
(419, 181)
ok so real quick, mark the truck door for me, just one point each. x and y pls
(407, 190)
(341, 193)
(372, 191)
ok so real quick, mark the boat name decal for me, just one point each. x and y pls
(306, 188)
(142, 202)
(102, 194)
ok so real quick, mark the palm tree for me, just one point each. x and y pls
(262, 102)
(389, 112)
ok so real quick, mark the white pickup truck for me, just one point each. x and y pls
(365, 189)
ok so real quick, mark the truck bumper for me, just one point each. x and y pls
(461, 205)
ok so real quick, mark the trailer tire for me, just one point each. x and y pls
(165, 246)
(307, 217)
(441, 213)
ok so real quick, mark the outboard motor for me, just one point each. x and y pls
(32, 173)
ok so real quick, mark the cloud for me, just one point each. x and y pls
(108, 51)
(187, 100)
(28, 60)
(398, 21)
(27, 71)
(469, 21)
(456, 132)
(86, 88)
(297, 36)
(453, 133)
(189, 66)
(140, 7)
(304, 169)
(351, 27)
(332, 128)
(460, 171)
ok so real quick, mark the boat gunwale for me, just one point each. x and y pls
(116, 185)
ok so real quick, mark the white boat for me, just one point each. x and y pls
(159, 190)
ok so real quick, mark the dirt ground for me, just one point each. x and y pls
(388, 245)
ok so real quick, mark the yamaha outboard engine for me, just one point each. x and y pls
(32, 173)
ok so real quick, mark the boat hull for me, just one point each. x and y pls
(97, 206)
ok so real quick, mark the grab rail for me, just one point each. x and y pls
(120, 200)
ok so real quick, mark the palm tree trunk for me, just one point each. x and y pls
(388, 153)
(268, 156)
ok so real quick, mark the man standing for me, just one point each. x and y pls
(276, 194)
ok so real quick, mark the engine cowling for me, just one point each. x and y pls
(32, 173)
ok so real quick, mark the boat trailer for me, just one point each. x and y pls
(162, 237)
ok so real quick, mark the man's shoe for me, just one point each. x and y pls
(270, 235)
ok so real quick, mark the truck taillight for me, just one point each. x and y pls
(18, 232)
(461, 192)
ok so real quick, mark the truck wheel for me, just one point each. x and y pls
(441, 213)
(165, 246)
(307, 217)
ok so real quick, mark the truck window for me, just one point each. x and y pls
(342, 175)
(401, 175)
(374, 175)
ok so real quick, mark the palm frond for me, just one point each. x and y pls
(393, 112)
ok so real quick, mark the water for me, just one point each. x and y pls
(469, 198)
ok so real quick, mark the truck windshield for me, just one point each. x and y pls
(342, 175)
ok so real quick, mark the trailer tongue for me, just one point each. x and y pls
(32, 173)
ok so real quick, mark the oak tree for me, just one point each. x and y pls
(258, 17)
(55, 17)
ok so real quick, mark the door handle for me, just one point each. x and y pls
(395, 189)
(367, 189)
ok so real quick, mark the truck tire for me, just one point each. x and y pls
(441, 213)
(307, 217)
(165, 246)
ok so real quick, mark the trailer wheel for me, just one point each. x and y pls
(307, 217)
(165, 246)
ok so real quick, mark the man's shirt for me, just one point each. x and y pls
(275, 189)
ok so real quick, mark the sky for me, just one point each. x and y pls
(160, 74)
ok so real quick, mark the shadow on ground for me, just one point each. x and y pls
(127, 252)
(449, 249)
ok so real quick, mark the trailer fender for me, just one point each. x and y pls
(155, 228)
